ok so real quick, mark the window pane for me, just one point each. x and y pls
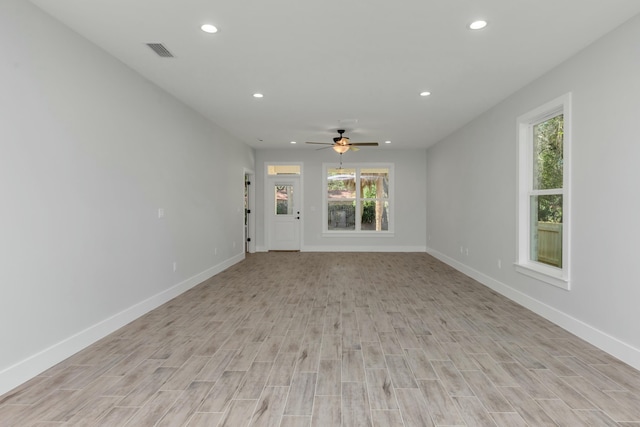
(374, 183)
(283, 170)
(375, 215)
(547, 153)
(342, 215)
(546, 229)
(341, 184)
(284, 199)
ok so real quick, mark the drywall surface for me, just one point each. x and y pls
(472, 185)
(115, 196)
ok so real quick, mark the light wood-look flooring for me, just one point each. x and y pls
(314, 339)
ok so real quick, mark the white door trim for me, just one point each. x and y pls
(269, 180)
(252, 207)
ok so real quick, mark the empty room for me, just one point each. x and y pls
(420, 213)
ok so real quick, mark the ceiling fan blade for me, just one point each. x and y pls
(321, 143)
(353, 148)
(365, 144)
(324, 148)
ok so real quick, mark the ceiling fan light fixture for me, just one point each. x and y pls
(339, 148)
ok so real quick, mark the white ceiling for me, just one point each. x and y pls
(322, 62)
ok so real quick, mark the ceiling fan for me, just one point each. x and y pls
(342, 144)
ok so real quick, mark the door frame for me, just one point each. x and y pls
(268, 180)
(251, 223)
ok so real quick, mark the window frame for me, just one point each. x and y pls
(326, 232)
(556, 276)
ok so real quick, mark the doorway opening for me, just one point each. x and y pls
(249, 217)
(283, 209)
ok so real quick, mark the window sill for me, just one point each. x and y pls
(550, 275)
(358, 234)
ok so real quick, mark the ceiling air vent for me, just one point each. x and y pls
(160, 50)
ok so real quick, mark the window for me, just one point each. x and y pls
(286, 169)
(543, 178)
(358, 199)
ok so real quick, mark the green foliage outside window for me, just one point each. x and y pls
(369, 206)
(370, 202)
(548, 166)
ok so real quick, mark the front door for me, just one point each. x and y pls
(284, 217)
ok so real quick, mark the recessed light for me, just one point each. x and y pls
(258, 95)
(293, 142)
(425, 93)
(477, 25)
(208, 28)
(387, 142)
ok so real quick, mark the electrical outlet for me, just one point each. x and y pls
(499, 263)
(160, 212)
(467, 251)
(215, 251)
(175, 266)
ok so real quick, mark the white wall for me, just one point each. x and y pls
(410, 198)
(471, 190)
(90, 151)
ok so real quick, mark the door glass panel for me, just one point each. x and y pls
(284, 199)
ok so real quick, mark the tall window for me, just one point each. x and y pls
(358, 198)
(544, 142)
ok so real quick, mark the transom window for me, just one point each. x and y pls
(283, 170)
(544, 142)
(358, 198)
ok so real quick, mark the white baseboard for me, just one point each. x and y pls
(341, 248)
(619, 349)
(32, 366)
